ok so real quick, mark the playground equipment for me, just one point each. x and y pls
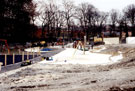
(4, 45)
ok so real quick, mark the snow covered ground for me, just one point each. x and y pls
(75, 56)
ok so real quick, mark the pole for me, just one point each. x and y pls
(22, 56)
(5, 59)
(39, 51)
(84, 44)
(19, 51)
(37, 54)
(33, 54)
(27, 55)
(13, 58)
(8, 51)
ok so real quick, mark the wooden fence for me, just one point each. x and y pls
(8, 59)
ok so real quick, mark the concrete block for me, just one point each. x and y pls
(130, 40)
(114, 40)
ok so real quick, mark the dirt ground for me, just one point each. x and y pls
(119, 76)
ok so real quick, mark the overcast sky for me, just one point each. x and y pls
(107, 5)
(101, 5)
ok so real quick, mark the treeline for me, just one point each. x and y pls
(84, 17)
(18, 19)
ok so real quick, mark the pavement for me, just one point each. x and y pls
(35, 60)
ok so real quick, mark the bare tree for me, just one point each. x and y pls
(81, 15)
(101, 21)
(87, 15)
(122, 25)
(59, 22)
(68, 13)
(122, 22)
(47, 17)
(113, 19)
(130, 14)
(102, 18)
(92, 16)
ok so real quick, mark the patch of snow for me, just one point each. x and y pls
(116, 58)
(103, 48)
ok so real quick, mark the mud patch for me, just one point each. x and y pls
(121, 89)
(44, 85)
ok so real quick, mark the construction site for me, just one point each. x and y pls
(67, 45)
(108, 67)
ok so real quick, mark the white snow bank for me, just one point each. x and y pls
(72, 56)
(35, 49)
(116, 58)
(55, 46)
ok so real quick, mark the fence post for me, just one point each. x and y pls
(13, 58)
(32, 54)
(5, 59)
(31, 51)
(27, 55)
(8, 51)
(37, 54)
(39, 51)
(19, 51)
(22, 56)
